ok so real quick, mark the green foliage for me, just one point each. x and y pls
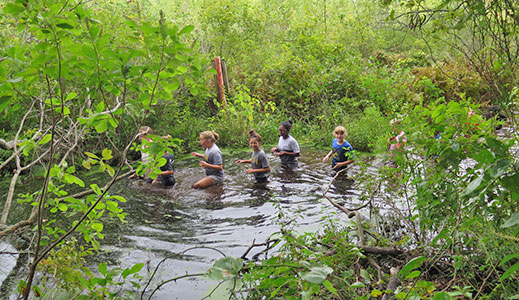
(65, 274)
(241, 114)
(88, 85)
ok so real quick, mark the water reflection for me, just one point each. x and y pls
(164, 222)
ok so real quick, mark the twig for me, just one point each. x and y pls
(174, 279)
(217, 286)
(204, 247)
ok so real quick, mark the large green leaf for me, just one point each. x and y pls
(514, 219)
(225, 268)
(511, 183)
(411, 265)
(473, 185)
(500, 168)
(186, 29)
(317, 273)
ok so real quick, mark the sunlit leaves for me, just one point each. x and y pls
(13, 9)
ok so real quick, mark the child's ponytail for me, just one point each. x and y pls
(254, 135)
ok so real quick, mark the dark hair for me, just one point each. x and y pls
(254, 135)
(287, 125)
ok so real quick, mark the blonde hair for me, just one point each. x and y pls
(254, 135)
(339, 129)
(210, 135)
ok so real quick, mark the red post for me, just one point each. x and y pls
(219, 81)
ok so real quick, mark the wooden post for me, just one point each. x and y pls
(219, 81)
(225, 76)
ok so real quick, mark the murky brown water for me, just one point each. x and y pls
(162, 223)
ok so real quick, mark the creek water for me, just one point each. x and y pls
(163, 223)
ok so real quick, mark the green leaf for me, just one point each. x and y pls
(70, 96)
(97, 226)
(182, 69)
(376, 293)
(484, 156)
(73, 179)
(411, 265)
(136, 268)
(96, 189)
(102, 126)
(186, 29)
(440, 235)
(92, 155)
(100, 107)
(509, 272)
(500, 168)
(442, 296)
(473, 186)
(514, 219)
(45, 139)
(507, 258)
(63, 207)
(225, 268)
(86, 164)
(317, 274)
(511, 183)
(107, 154)
(328, 285)
(95, 244)
(413, 274)
(118, 198)
(102, 268)
(13, 9)
(358, 284)
(110, 170)
(65, 25)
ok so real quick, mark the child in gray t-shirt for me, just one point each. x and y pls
(212, 160)
(259, 163)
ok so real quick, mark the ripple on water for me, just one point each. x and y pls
(165, 222)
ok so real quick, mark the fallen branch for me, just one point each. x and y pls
(5, 230)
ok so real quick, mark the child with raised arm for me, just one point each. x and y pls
(260, 165)
(342, 151)
(212, 163)
(288, 148)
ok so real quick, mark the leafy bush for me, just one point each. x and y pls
(368, 131)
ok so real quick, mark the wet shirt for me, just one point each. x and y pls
(259, 161)
(213, 156)
(289, 145)
(168, 180)
(341, 153)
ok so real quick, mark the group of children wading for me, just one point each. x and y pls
(287, 149)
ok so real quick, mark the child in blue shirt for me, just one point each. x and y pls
(342, 151)
(260, 165)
